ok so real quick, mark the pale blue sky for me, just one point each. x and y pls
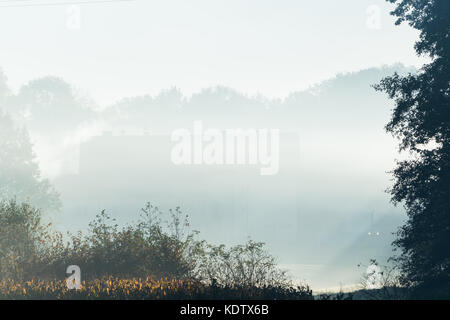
(270, 47)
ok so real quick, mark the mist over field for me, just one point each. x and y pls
(101, 89)
(322, 214)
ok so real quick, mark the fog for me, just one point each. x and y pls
(325, 211)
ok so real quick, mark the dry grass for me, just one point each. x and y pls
(110, 288)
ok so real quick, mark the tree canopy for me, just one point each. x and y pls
(49, 106)
(421, 121)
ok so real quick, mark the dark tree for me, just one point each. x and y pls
(421, 121)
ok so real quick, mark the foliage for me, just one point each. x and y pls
(241, 265)
(421, 120)
(49, 106)
(22, 240)
(111, 288)
(115, 262)
(151, 247)
(381, 283)
(336, 296)
(20, 176)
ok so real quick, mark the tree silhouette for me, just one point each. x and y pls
(421, 121)
(4, 90)
(50, 106)
(19, 173)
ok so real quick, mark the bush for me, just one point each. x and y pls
(149, 248)
(247, 265)
(23, 241)
(33, 260)
(381, 282)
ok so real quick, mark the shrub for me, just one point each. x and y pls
(23, 240)
(247, 265)
(33, 260)
(381, 282)
(150, 248)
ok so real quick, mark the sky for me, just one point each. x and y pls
(110, 50)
